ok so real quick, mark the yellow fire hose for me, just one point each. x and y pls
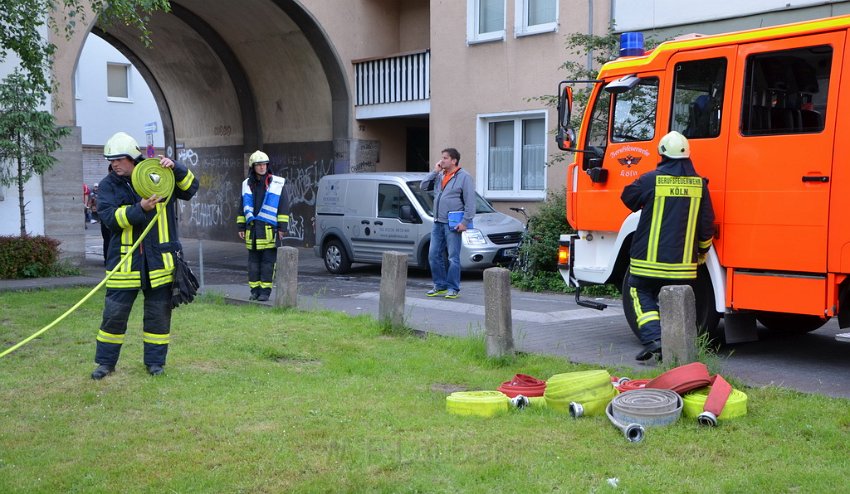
(148, 178)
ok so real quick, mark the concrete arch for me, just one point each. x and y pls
(229, 77)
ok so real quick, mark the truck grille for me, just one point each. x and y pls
(505, 238)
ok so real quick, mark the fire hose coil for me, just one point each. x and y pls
(580, 393)
(736, 404)
(695, 376)
(634, 410)
(524, 385)
(478, 403)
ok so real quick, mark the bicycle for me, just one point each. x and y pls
(523, 263)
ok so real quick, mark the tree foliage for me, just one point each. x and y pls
(24, 24)
(28, 136)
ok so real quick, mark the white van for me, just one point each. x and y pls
(359, 216)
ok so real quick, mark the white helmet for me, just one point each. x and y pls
(122, 145)
(674, 146)
(258, 157)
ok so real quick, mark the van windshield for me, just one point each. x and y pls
(426, 200)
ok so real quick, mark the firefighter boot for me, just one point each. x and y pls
(155, 369)
(653, 348)
(102, 371)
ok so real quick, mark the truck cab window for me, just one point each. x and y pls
(634, 112)
(785, 92)
(698, 92)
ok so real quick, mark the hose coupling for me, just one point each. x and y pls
(576, 410)
(519, 401)
(707, 418)
(634, 433)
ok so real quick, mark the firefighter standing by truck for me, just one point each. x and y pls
(151, 267)
(673, 235)
(262, 222)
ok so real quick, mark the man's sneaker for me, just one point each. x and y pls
(102, 371)
(155, 369)
(651, 349)
(435, 292)
(452, 294)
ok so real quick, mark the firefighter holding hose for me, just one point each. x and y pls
(150, 269)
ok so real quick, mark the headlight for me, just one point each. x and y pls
(473, 237)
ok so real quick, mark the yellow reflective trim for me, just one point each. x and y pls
(105, 337)
(283, 218)
(161, 223)
(187, 181)
(669, 186)
(635, 302)
(690, 233)
(662, 265)
(648, 317)
(156, 339)
(240, 220)
(705, 244)
(265, 284)
(673, 275)
(121, 217)
(655, 229)
(254, 284)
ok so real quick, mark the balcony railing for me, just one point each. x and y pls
(393, 86)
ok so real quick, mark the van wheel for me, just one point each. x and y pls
(707, 317)
(336, 259)
(790, 323)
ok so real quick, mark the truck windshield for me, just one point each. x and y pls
(426, 200)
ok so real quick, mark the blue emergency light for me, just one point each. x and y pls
(631, 45)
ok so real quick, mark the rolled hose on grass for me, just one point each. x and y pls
(580, 393)
(477, 403)
(150, 181)
(633, 411)
(736, 404)
(523, 384)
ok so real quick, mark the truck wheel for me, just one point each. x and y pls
(790, 323)
(707, 317)
(336, 259)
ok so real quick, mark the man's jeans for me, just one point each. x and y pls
(442, 238)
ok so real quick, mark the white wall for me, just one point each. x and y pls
(639, 15)
(100, 118)
(10, 213)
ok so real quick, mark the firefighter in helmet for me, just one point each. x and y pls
(151, 267)
(673, 234)
(263, 221)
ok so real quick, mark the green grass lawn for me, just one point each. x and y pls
(264, 400)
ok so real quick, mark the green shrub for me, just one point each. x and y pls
(546, 227)
(29, 257)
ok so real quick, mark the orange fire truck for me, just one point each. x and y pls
(762, 111)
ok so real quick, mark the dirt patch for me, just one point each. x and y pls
(448, 388)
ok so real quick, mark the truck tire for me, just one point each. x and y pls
(336, 258)
(707, 317)
(790, 323)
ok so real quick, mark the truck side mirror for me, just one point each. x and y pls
(565, 137)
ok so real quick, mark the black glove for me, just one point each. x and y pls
(185, 284)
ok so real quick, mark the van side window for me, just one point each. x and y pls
(698, 91)
(390, 200)
(785, 92)
(634, 112)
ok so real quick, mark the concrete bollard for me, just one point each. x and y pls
(286, 278)
(498, 325)
(678, 324)
(393, 285)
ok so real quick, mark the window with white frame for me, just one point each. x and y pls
(485, 20)
(535, 16)
(118, 82)
(514, 147)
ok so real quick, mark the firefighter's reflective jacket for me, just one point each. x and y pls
(264, 210)
(120, 210)
(676, 223)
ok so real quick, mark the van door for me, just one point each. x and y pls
(780, 156)
(361, 211)
(390, 232)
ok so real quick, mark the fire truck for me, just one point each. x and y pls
(762, 112)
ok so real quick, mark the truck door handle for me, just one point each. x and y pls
(364, 222)
(379, 223)
(815, 178)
